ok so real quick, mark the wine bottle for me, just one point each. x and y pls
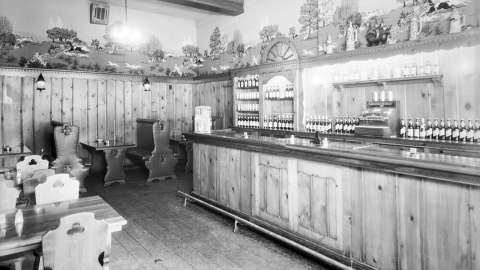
(463, 131)
(429, 131)
(470, 131)
(455, 131)
(443, 131)
(416, 129)
(436, 130)
(422, 129)
(410, 129)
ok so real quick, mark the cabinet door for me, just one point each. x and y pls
(271, 189)
(319, 203)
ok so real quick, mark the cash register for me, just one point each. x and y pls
(381, 119)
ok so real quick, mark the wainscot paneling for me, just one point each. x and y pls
(102, 105)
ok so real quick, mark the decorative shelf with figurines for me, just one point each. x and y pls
(398, 75)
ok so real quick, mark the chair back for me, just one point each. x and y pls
(30, 164)
(8, 195)
(38, 177)
(79, 243)
(57, 188)
(145, 134)
(161, 135)
(66, 140)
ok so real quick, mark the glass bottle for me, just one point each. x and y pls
(456, 131)
(448, 130)
(443, 131)
(476, 136)
(436, 130)
(410, 129)
(422, 129)
(416, 129)
(463, 131)
(429, 131)
(470, 131)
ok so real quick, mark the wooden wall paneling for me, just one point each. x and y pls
(102, 109)
(92, 110)
(110, 110)
(332, 102)
(320, 205)
(80, 114)
(474, 208)
(147, 103)
(245, 182)
(273, 190)
(197, 168)
(380, 220)
(222, 175)
(11, 115)
(188, 108)
(42, 119)
(163, 101)
(450, 84)
(257, 201)
(445, 226)
(418, 100)
(352, 101)
(119, 111)
(436, 101)
(67, 100)
(27, 112)
(2, 90)
(233, 179)
(409, 221)
(137, 111)
(171, 107)
(156, 101)
(128, 105)
(467, 90)
(351, 212)
(229, 104)
(203, 165)
(212, 176)
(56, 99)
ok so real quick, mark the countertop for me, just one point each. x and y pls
(447, 167)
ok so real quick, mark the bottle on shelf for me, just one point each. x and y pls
(429, 130)
(448, 130)
(476, 136)
(403, 129)
(462, 136)
(422, 129)
(443, 130)
(455, 131)
(436, 130)
(470, 132)
(410, 129)
(416, 129)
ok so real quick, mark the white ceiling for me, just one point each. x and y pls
(160, 7)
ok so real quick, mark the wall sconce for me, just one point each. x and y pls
(41, 83)
(146, 84)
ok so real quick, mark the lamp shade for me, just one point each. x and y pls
(41, 85)
(146, 84)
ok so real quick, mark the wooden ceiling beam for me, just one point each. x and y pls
(226, 7)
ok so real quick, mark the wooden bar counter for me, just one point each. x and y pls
(364, 204)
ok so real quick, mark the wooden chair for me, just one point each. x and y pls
(153, 149)
(66, 142)
(8, 195)
(8, 201)
(57, 188)
(79, 243)
(31, 164)
(38, 177)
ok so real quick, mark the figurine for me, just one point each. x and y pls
(351, 37)
(416, 25)
(457, 22)
(329, 46)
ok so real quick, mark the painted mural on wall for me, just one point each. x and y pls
(326, 27)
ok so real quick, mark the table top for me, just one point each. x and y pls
(96, 146)
(16, 151)
(42, 218)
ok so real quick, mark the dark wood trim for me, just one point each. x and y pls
(468, 174)
(226, 7)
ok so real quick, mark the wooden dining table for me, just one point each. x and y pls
(114, 157)
(39, 219)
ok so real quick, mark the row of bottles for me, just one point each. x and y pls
(247, 82)
(279, 121)
(248, 121)
(341, 124)
(248, 107)
(441, 130)
(275, 93)
(248, 95)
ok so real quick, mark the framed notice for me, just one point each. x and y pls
(99, 12)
